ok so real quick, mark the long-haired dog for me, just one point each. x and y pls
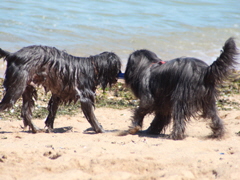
(69, 79)
(178, 89)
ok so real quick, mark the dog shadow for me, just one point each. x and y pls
(5, 132)
(55, 130)
(63, 129)
(91, 131)
(143, 133)
(146, 134)
(168, 136)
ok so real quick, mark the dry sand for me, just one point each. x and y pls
(71, 154)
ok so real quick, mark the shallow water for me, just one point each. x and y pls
(169, 28)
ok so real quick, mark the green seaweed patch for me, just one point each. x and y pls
(118, 97)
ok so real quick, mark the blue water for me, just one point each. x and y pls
(170, 28)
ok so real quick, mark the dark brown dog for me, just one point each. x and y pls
(178, 89)
(69, 78)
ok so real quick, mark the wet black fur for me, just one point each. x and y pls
(69, 79)
(179, 89)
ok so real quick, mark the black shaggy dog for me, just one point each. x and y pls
(69, 79)
(178, 89)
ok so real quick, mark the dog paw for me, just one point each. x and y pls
(134, 130)
(100, 131)
(92, 130)
(177, 136)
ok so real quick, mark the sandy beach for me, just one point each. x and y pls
(71, 154)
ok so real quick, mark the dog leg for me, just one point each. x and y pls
(137, 120)
(159, 124)
(87, 109)
(14, 91)
(178, 129)
(217, 127)
(53, 105)
(179, 125)
(27, 108)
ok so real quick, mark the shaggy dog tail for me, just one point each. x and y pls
(220, 68)
(4, 53)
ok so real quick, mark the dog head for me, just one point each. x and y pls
(108, 66)
(138, 63)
